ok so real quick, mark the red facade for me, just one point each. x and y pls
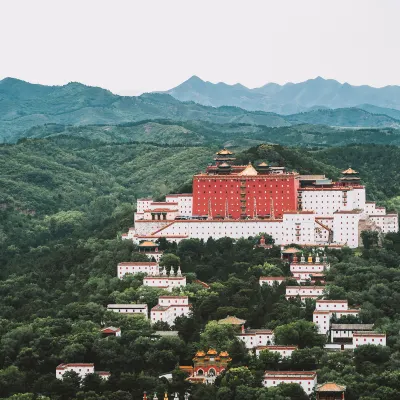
(237, 195)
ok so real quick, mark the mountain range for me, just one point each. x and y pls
(24, 105)
(290, 98)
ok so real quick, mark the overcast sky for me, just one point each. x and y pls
(134, 46)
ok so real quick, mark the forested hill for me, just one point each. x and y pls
(66, 200)
(204, 133)
(24, 105)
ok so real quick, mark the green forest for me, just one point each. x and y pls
(64, 202)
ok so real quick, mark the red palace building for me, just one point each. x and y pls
(240, 191)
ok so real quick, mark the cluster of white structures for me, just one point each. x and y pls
(168, 307)
(327, 214)
(82, 369)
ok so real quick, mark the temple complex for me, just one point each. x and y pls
(207, 366)
(249, 200)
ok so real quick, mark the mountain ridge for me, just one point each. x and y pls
(289, 98)
(24, 105)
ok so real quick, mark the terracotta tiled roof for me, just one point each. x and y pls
(84, 365)
(111, 329)
(135, 264)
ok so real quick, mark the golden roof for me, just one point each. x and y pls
(330, 387)
(212, 352)
(263, 164)
(249, 171)
(224, 164)
(349, 171)
(200, 354)
(224, 152)
(232, 321)
(224, 354)
(147, 243)
(291, 250)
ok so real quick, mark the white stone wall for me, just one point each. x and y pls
(324, 202)
(252, 340)
(359, 198)
(331, 305)
(388, 223)
(185, 203)
(298, 228)
(307, 384)
(302, 271)
(342, 313)
(345, 228)
(144, 228)
(81, 369)
(134, 268)
(143, 204)
(293, 291)
(282, 231)
(270, 280)
(360, 339)
(284, 351)
(322, 320)
(166, 282)
(140, 309)
(171, 308)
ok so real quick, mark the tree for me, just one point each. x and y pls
(169, 260)
(370, 239)
(301, 333)
(238, 376)
(217, 336)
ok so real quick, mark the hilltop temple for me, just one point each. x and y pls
(246, 200)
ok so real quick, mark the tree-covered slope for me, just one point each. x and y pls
(228, 135)
(58, 273)
(49, 175)
(24, 105)
(353, 117)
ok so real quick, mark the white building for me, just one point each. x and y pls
(322, 320)
(82, 369)
(284, 351)
(163, 281)
(362, 338)
(305, 292)
(132, 268)
(331, 305)
(271, 280)
(306, 379)
(330, 213)
(302, 270)
(256, 337)
(169, 308)
(326, 309)
(129, 309)
(344, 332)
(184, 202)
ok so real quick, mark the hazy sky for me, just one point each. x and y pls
(133, 46)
